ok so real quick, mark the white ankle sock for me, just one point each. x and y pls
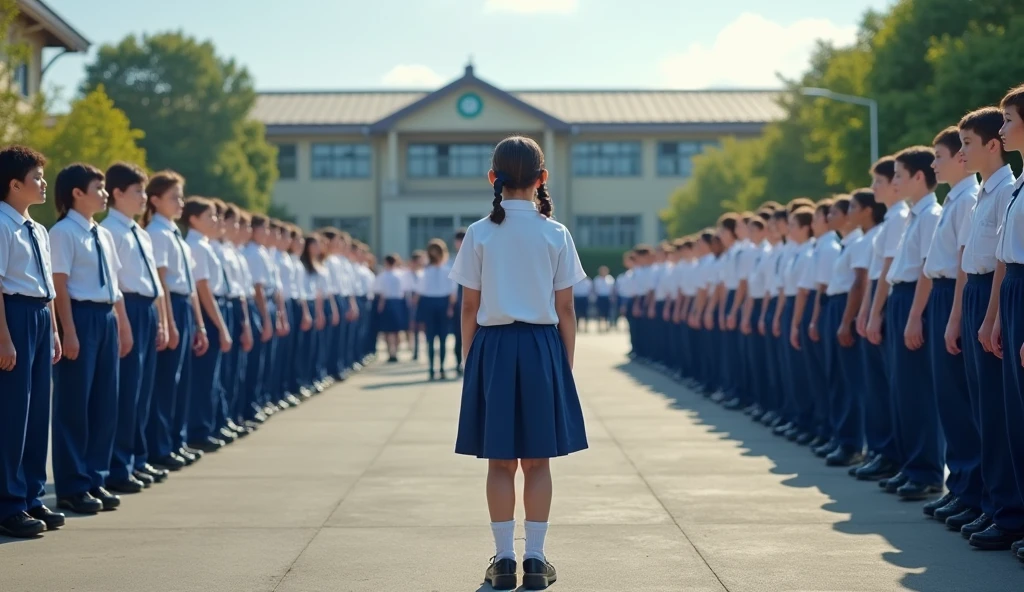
(535, 533)
(504, 537)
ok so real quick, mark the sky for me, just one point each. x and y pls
(514, 44)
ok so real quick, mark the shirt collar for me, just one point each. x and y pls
(851, 237)
(12, 213)
(874, 230)
(520, 205)
(895, 209)
(968, 183)
(118, 216)
(79, 219)
(996, 179)
(925, 203)
(197, 237)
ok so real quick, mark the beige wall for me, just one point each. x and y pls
(497, 116)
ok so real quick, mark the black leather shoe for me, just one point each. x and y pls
(914, 490)
(776, 422)
(768, 417)
(194, 453)
(877, 469)
(146, 479)
(171, 462)
(957, 522)
(994, 538)
(82, 503)
(817, 442)
(804, 439)
(782, 428)
(1020, 555)
(826, 449)
(109, 500)
(537, 574)
(852, 471)
(158, 475)
(893, 483)
(951, 509)
(501, 574)
(978, 525)
(1017, 546)
(129, 485)
(227, 434)
(22, 526)
(930, 507)
(732, 404)
(52, 520)
(792, 433)
(844, 457)
(208, 445)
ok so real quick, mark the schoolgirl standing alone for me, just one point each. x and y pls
(519, 401)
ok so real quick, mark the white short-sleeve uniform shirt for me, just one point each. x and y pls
(76, 254)
(138, 273)
(583, 289)
(389, 285)
(171, 253)
(843, 274)
(20, 272)
(944, 253)
(433, 282)
(518, 266)
(1011, 233)
(888, 241)
(917, 239)
(604, 285)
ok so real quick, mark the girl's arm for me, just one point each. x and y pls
(853, 306)
(125, 339)
(952, 335)
(173, 336)
(566, 322)
(471, 306)
(990, 334)
(813, 332)
(57, 351)
(878, 303)
(798, 316)
(261, 307)
(200, 342)
(209, 304)
(62, 302)
(8, 355)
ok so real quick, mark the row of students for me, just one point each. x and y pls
(596, 298)
(161, 345)
(882, 329)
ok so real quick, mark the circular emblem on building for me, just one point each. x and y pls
(470, 105)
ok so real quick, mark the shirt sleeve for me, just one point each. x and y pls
(1001, 206)
(201, 262)
(468, 266)
(6, 245)
(929, 224)
(746, 264)
(826, 265)
(257, 269)
(893, 231)
(62, 251)
(569, 270)
(807, 279)
(161, 247)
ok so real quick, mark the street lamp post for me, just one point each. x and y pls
(871, 104)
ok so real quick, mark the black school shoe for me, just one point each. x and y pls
(501, 574)
(538, 574)
(21, 526)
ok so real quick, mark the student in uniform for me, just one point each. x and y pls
(460, 235)
(412, 277)
(95, 335)
(313, 278)
(795, 322)
(581, 297)
(520, 323)
(949, 374)
(1001, 503)
(211, 283)
(753, 304)
(604, 287)
(772, 394)
(144, 305)
(664, 296)
(263, 318)
(434, 303)
(391, 305)
(274, 396)
(622, 295)
(704, 355)
(234, 362)
(726, 298)
(303, 315)
(1011, 253)
(881, 438)
(29, 346)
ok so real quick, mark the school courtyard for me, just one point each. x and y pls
(358, 490)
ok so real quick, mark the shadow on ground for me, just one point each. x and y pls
(941, 560)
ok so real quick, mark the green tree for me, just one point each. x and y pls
(20, 119)
(194, 106)
(94, 132)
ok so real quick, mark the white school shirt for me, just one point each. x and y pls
(773, 268)
(604, 285)
(207, 266)
(683, 272)
(389, 285)
(843, 275)
(823, 261)
(138, 273)
(435, 283)
(259, 267)
(622, 284)
(668, 283)
(944, 253)
(800, 258)
(1011, 239)
(982, 236)
(862, 251)
(924, 219)
(19, 269)
(346, 277)
(333, 272)
(74, 253)
(518, 266)
(248, 285)
(746, 260)
(757, 283)
(233, 265)
(583, 288)
(277, 263)
(888, 241)
(171, 253)
(730, 266)
(364, 287)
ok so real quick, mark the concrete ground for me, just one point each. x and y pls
(358, 490)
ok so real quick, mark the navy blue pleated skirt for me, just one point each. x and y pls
(395, 316)
(519, 398)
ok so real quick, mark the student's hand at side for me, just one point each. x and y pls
(745, 327)
(913, 334)
(8, 354)
(1022, 355)
(282, 325)
(200, 343)
(762, 327)
(812, 332)
(709, 321)
(845, 336)
(335, 319)
(666, 315)
(268, 330)
(997, 340)
(952, 337)
(125, 340)
(730, 323)
(161, 337)
(985, 335)
(307, 322)
(862, 325)
(246, 338)
(794, 336)
(353, 313)
(874, 330)
(777, 327)
(58, 350)
(173, 338)
(71, 346)
(225, 342)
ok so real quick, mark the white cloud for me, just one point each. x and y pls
(412, 75)
(749, 51)
(532, 6)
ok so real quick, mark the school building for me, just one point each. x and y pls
(38, 27)
(397, 168)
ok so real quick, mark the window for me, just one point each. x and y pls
(21, 79)
(606, 159)
(424, 228)
(358, 227)
(675, 159)
(466, 219)
(607, 231)
(341, 161)
(448, 160)
(286, 163)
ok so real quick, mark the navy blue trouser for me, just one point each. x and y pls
(85, 402)
(135, 388)
(878, 432)
(771, 394)
(953, 400)
(204, 394)
(755, 373)
(266, 385)
(25, 405)
(728, 352)
(913, 398)
(814, 354)
(171, 383)
(433, 310)
(847, 363)
(1011, 298)
(251, 398)
(1000, 498)
(232, 368)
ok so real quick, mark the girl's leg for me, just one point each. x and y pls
(431, 331)
(537, 491)
(501, 502)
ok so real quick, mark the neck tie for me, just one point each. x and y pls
(184, 261)
(145, 259)
(37, 253)
(1013, 198)
(104, 272)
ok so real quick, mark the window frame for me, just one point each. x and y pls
(282, 149)
(357, 158)
(678, 162)
(608, 230)
(447, 160)
(608, 159)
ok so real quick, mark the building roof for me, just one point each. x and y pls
(377, 111)
(58, 32)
